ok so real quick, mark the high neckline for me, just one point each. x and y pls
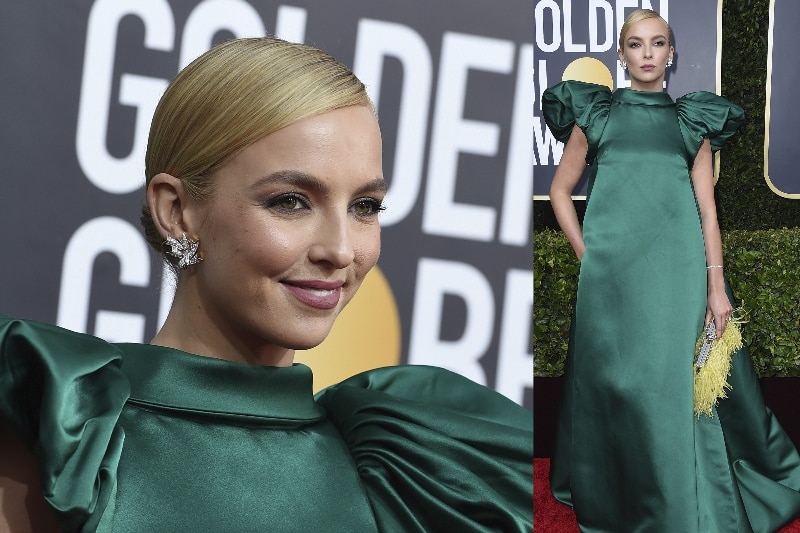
(171, 380)
(632, 96)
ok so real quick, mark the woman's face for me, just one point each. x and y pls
(289, 233)
(646, 50)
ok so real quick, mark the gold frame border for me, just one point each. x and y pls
(718, 77)
(767, 107)
(718, 81)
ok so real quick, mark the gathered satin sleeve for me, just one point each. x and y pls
(576, 103)
(63, 393)
(435, 451)
(704, 115)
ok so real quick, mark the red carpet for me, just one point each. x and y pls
(550, 516)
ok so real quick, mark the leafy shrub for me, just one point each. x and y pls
(762, 267)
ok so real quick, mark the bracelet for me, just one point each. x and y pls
(709, 267)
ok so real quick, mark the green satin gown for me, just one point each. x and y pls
(630, 455)
(139, 439)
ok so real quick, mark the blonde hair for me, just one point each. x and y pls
(230, 97)
(638, 16)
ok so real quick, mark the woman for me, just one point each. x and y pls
(631, 455)
(264, 183)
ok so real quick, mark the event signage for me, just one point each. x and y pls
(451, 81)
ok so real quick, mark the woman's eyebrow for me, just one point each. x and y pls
(636, 38)
(376, 185)
(292, 177)
(309, 181)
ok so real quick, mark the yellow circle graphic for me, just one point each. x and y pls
(590, 70)
(366, 335)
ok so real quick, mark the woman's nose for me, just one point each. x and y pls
(333, 244)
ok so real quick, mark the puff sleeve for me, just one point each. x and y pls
(435, 451)
(63, 393)
(571, 103)
(704, 115)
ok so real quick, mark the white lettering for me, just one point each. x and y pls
(99, 235)
(166, 295)
(142, 93)
(515, 361)
(569, 46)
(290, 24)
(435, 278)
(107, 172)
(608, 23)
(623, 5)
(375, 40)
(543, 85)
(555, 18)
(663, 10)
(515, 226)
(453, 134)
(545, 144)
(211, 16)
(114, 326)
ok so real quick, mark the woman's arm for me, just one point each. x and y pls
(568, 173)
(22, 507)
(719, 306)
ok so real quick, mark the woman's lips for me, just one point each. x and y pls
(648, 68)
(319, 294)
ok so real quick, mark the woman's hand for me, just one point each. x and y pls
(718, 309)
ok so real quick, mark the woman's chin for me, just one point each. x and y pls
(308, 339)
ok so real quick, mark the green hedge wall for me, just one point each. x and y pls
(762, 267)
(744, 199)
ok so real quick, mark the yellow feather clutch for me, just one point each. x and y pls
(712, 365)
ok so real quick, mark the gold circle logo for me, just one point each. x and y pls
(590, 70)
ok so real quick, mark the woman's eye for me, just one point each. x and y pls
(633, 45)
(288, 202)
(367, 207)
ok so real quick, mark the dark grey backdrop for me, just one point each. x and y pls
(783, 77)
(460, 175)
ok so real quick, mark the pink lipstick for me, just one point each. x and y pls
(319, 294)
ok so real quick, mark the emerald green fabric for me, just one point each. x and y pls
(139, 438)
(630, 454)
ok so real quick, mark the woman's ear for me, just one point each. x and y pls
(168, 202)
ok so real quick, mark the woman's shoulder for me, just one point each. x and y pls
(703, 114)
(429, 385)
(43, 335)
(577, 103)
(431, 444)
(704, 96)
(569, 101)
(61, 394)
(49, 356)
(707, 102)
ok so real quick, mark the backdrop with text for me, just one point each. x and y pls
(452, 83)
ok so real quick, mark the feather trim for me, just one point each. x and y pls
(713, 365)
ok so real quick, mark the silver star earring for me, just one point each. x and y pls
(624, 65)
(185, 250)
(669, 63)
